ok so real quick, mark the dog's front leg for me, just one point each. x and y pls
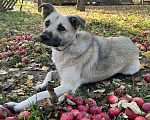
(50, 76)
(36, 97)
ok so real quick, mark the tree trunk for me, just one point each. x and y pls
(81, 5)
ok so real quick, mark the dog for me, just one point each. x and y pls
(79, 57)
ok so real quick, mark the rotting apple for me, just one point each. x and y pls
(82, 115)
(2, 110)
(11, 118)
(24, 114)
(91, 102)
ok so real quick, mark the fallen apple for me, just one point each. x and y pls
(140, 118)
(138, 100)
(91, 102)
(24, 115)
(75, 111)
(11, 118)
(130, 113)
(120, 91)
(143, 48)
(67, 116)
(82, 108)
(69, 97)
(112, 99)
(126, 98)
(146, 107)
(114, 112)
(94, 110)
(25, 60)
(78, 101)
(5, 111)
(147, 116)
(82, 115)
(147, 78)
(98, 117)
(106, 116)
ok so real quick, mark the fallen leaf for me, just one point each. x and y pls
(2, 72)
(133, 106)
(13, 69)
(99, 90)
(44, 68)
(70, 102)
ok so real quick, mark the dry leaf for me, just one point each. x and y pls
(62, 98)
(13, 69)
(2, 72)
(44, 68)
(133, 106)
(99, 90)
(124, 115)
(70, 102)
(120, 103)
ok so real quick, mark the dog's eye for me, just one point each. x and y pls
(61, 28)
(47, 23)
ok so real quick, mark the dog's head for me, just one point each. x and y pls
(59, 30)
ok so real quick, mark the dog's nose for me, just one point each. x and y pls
(45, 36)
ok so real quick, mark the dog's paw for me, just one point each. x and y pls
(40, 87)
(13, 106)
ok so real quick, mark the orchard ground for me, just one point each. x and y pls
(18, 79)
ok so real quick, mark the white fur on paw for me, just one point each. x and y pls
(13, 106)
(40, 87)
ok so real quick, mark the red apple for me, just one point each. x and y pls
(90, 102)
(130, 113)
(82, 108)
(106, 116)
(114, 112)
(17, 52)
(148, 47)
(16, 47)
(9, 53)
(25, 60)
(147, 78)
(11, 48)
(134, 39)
(12, 118)
(146, 107)
(37, 49)
(98, 117)
(140, 118)
(24, 114)
(94, 110)
(120, 91)
(112, 99)
(146, 43)
(69, 108)
(6, 110)
(21, 48)
(85, 119)
(147, 116)
(23, 52)
(67, 116)
(69, 97)
(138, 100)
(139, 45)
(143, 48)
(126, 98)
(75, 111)
(82, 115)
(78, 101)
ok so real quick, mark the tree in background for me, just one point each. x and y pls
(81, 5)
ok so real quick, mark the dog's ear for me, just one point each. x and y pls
(76, 20)
(47, 9)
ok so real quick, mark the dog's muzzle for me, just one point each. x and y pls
(50, 40)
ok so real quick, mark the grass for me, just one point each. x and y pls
(26, 25)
